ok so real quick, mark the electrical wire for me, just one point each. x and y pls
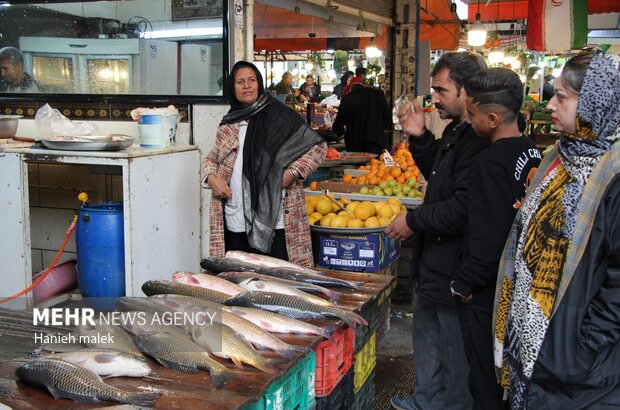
(70, 230)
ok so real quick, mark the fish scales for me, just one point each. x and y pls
(183, 355)
(294, 306)
(157, 287)
(269, 285)
(238, 277)
(222, 341)
(274, 322)
(67, 380)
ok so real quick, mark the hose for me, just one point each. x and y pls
(70, 230)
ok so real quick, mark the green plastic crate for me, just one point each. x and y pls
(294, 391)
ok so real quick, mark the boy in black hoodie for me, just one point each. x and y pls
(498, 179)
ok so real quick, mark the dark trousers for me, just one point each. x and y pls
(238, 241)
(477, 329)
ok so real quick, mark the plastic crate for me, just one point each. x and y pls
(370, 312)
(334, 358)
(384, 319)
(341, 398)
(295, 390)
(321, 174)
(364, 398)
(365, 362)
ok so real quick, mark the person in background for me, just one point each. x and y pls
(381, 84)
(343, 83)
(360, 74)
(14, 79)
(498, 177)
(262, 152)
(548, 91)
(285, 87)
(439, 225)
(365, 119)
(310, 91)
(557, 305)
(220, 84)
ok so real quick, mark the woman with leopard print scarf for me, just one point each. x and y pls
(557, 308)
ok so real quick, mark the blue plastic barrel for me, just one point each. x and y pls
(101, 251)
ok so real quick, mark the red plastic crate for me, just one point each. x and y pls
(334, 358)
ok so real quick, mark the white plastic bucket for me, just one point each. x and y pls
(157, 131)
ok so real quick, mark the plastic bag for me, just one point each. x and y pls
(402, 101)
(51, 123)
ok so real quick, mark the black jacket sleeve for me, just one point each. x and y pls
(601, 325)
(424, 150)
(338, 125)
(490, 216)
(448, 216)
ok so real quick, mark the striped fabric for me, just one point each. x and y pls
(557, 25)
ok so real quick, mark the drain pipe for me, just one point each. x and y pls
(248, 16)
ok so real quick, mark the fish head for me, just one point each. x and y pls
(241, 299)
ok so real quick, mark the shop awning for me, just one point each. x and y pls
(507, 10)
(280, 29)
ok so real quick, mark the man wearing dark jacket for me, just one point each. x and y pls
(364, 118)
(439, 225)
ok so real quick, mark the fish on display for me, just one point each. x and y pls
(239, 277)
(147, 322)
(107, 362)
(221, 341)
(294, 306)
(218, 265)
(139, 304)
(276, 323)
(266, 261)
(182, 354)
(254, 334)
(158, 287)
(208, 282)
(67, 380)
(259, 285)
(118, 339)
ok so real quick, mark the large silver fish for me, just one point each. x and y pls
(266, 261)
(138, 323)
(108, 336)
(294, 306)
(182, 354)
(218, 265)
(254, 334)
(107, 362)
(158, 287)
(139, 304)
(276, 323)
(258, 285)
(238, 277)
(67, 380)
(221, 341)
(208, 282)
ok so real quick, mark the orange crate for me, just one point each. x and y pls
(334, 358)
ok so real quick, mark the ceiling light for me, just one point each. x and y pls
(477, 34)
(309, 66)
(185, 32)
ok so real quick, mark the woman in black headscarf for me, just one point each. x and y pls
(263, 150)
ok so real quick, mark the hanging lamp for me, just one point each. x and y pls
(477, 34)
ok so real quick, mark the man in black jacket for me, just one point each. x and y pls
(439, 225)
(364, 118)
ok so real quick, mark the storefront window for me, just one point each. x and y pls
(113, 48)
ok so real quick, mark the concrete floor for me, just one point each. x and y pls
(394, 372)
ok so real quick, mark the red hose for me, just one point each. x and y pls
(40, 279)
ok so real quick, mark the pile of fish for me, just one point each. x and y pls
(252, 297)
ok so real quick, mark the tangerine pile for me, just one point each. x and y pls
(405, 169)
(322, 211)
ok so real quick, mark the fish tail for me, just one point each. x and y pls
(332, 294)
(146, 399)
(292, 350)
(353, 319)
(270, 365)
(357, 285)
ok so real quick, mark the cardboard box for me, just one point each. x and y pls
(370, 252)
